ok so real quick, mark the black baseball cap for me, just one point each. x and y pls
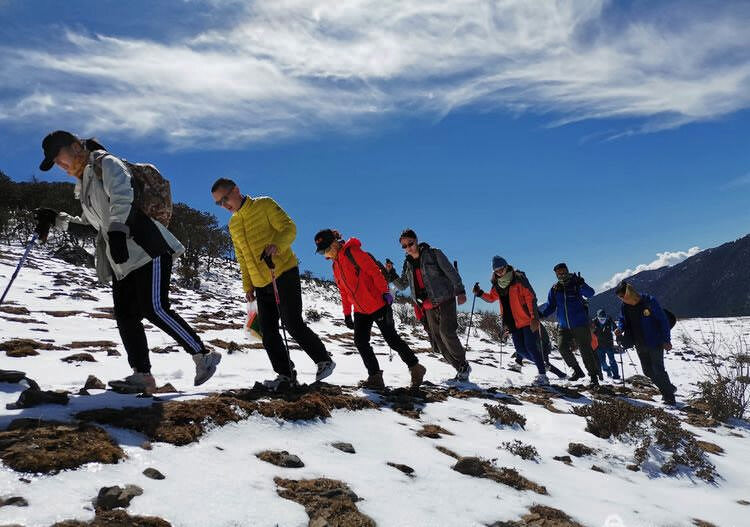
(52, 145)
(323, 240)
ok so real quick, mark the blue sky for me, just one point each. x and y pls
(589, 132)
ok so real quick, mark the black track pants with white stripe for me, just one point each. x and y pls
(144, 293)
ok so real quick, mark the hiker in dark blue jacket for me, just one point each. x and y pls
(567, 298)
(602, 325)
(644, 324)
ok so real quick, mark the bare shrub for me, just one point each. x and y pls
(405, 314)
(312, 315)
(517, 448)
(503, 415)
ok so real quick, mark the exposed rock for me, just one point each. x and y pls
(153, 474)
(18, 353)
(596, 468)
(116, 497)
(17, 501)
(79, 357)
(13, 344)
(146, 445)
(31, 397)
(14, 310)
(564, 459)
(328, 502)
(92, 383)
(116, 518)
(280, 458)
(480, 468)
(406, 469)
(579, 450)
(11, 376)
(433, 431)
(633, 468)
(743, 502)
(702, 523)
(113, 353)
(62, 314)
(541, 516)
(78, 344)
(167, 388)
(344, 447)
(32, 445)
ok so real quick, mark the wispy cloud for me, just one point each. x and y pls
(290, 67)
(662, 260)
(741, 181)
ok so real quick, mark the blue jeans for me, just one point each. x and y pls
(610, 370)
(525, 342)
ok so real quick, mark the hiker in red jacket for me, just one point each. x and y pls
(363, 287)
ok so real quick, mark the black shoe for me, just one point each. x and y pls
(669, 400)
(594, 383)
(576, 376)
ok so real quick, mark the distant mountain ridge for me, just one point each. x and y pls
(713, 283)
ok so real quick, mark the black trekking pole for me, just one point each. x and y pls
(622, 365)
(18, 267)
(271, 267)
(471, 317)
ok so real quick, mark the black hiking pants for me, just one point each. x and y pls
(144, 293)
(362, 330)
(582, 337)
(652, 362)
(290, 295)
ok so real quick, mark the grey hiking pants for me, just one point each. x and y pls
(582, 337)
(442, 322)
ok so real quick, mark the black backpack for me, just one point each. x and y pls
(670, 317)
(357, 268)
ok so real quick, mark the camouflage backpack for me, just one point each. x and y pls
(151, 191)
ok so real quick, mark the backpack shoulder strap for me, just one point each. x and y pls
(350, 256)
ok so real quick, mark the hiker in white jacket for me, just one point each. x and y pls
(132, 249)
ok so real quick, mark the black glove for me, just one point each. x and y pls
(577, 280)
(349, 322)
(118, 246)
(45, 219)
(477, 290)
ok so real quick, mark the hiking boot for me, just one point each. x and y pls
(577, 375)
(514, 366)
(136, 383)
(462, 375)
(540, 380)
(325, 368)
(417, 375)
(205, 366)
(594, 383)
(669, 400)
(374, 381)
(280, 383)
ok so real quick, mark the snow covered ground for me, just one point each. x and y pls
(219, 481)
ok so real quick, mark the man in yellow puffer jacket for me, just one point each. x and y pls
(259, 227)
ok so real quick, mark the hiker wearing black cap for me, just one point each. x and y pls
(363, 287)
(644, 324)
(132, 249)
(567, 298)
(518, 311)
(603, 327)
(436, 288)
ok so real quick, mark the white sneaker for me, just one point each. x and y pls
(205, 366)
(325, 368)
(514, 366)
(135, 383)
(540, 380)
(279, 383)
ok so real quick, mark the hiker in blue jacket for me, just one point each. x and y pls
(567, 298)
(644, 324)
(602, 325)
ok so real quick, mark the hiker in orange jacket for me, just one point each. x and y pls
(517, 310)
(363, 288)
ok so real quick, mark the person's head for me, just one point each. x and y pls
(65, 150)
(499, 266)
(561, 271)
(601, 315)
(627, 293)
(328, 243)
(409, 242)
(227, 194)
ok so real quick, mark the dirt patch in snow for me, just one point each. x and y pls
(32, 445)
(328, 502)
(116, 518)
(540, 516)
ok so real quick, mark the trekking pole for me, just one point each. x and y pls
(622, 366)
(18, 267)
(271, 266)
(471, 316)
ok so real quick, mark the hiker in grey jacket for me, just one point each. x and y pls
(132, 250)
(436, 288)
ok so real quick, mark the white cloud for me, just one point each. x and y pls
(291, 67)
(662, 260)
(741, 181)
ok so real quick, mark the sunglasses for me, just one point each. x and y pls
(407, 245)
(223, 201)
